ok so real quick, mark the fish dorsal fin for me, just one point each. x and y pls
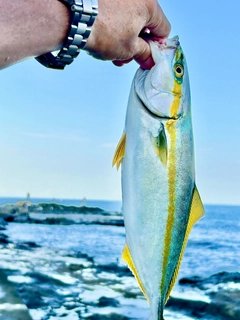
(119, 152)
(160, 146)
(196, 213)
(126, 255)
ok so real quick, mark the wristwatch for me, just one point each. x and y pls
(83, 14)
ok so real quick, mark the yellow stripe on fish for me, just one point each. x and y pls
(172, 172)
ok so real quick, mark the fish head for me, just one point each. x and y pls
(165, 87)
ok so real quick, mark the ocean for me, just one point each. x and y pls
(209, 268)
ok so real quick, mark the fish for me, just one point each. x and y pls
(160, 200)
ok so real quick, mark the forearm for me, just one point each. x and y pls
(30, 28)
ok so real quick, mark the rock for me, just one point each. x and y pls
(111, 316)
(61, 221)
(107, 302)
(224, 298)
(12, 305)
(218, 278)
(22, 218)
(27, 245)
(31, 296)
(227, 303)
(3, 224)
(195, 308)
(80, 255)
(223, 277)
(69, 305)
(120, 271)
(41, 295)
(4, 239)
(111, 222)
(191, 281)
(9, 218)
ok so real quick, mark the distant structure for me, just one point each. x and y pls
(28, 197)
(83, 202)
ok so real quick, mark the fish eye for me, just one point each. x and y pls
(178, 69)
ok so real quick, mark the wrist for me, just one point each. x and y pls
(82, 17)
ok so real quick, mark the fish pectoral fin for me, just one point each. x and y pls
(126, 255)
(119, 152)
(196, 213)
(160, 146)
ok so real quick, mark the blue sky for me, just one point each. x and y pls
(59, 129)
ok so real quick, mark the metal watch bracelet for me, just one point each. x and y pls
(83, 14)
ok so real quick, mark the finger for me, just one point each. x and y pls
(143, 56)
(159, 25)
(120, 63)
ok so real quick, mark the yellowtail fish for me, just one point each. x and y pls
(160, 199)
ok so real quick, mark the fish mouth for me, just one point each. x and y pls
(154, 115)
(157, 115)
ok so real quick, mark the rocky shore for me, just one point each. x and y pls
(53, 213)
(44, 283)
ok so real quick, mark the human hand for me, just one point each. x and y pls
(117, 31)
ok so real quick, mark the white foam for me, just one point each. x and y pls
(37, 314)
(64, 278)
(71, 315)
(11, 306)
(99, 291)
(234, 286)
(223, 286)
(194, 295)
(168, 315)
(20, 279)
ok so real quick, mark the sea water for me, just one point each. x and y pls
(213, 244)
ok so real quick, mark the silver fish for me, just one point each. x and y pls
(160, 199)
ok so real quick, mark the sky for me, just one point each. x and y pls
(59, 129)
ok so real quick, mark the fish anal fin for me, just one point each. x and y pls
(119, 152)
(126, 255)
(196, 213)
(160, 146)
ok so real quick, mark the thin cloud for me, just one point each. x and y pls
(108, 145)
(57, 136)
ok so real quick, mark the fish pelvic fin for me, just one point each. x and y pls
(196, 213)
(126, 255)
(119, 152)
(160, 146)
